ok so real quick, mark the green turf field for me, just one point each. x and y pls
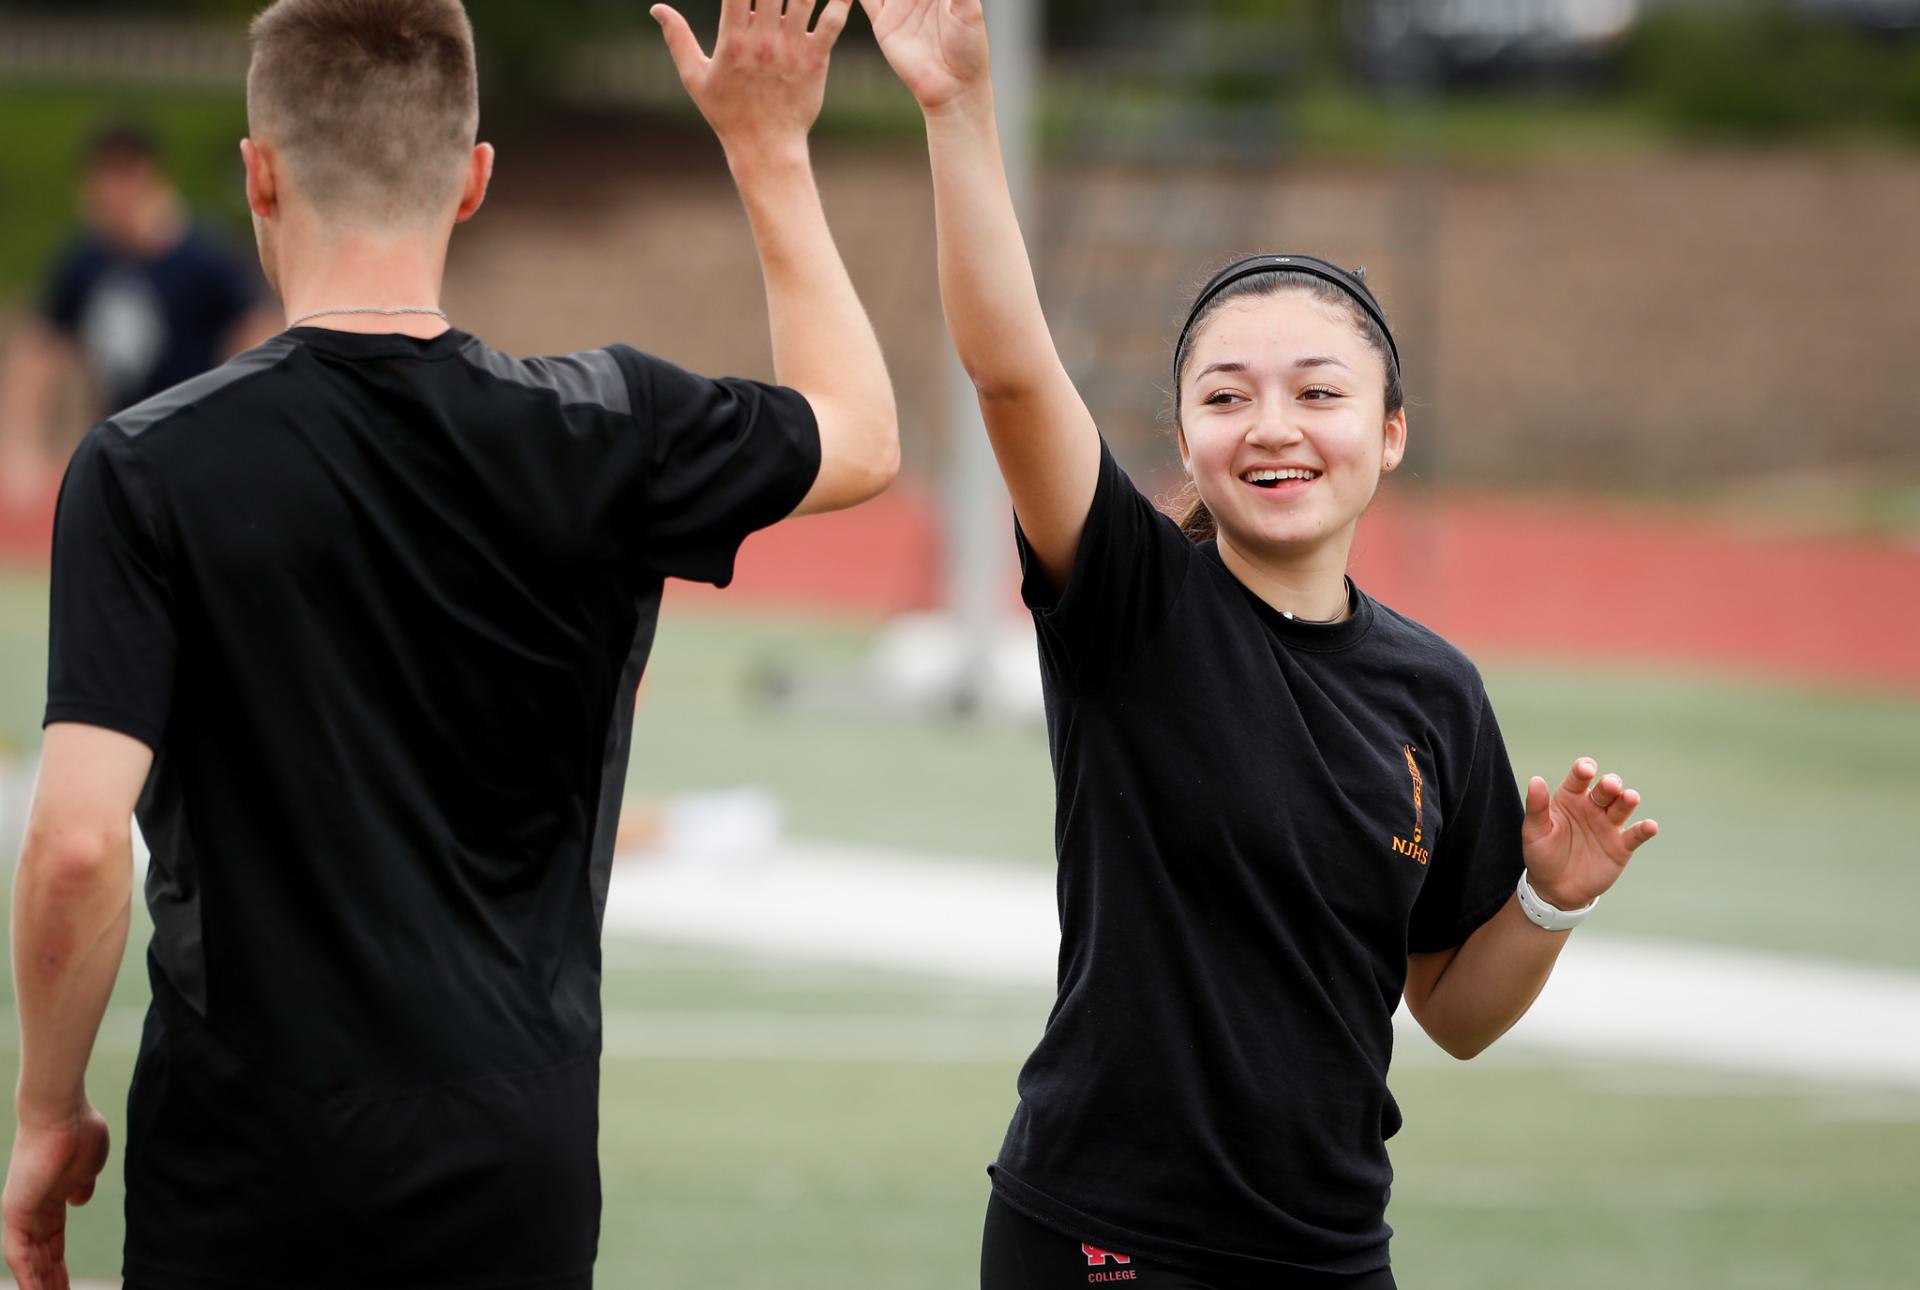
(737, 1150)
(825, 1127)
(1779, 804)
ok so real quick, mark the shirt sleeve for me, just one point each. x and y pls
(1477, 863)
(727, 458)
(232, 291)
(112, 636)
(64, 295)
(1128, 570)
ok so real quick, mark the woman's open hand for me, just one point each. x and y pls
(938, 47)
(1576, 839)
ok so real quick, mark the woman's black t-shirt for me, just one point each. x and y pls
(1257, 821)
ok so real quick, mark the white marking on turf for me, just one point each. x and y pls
(1610, 997)
(818, 1037)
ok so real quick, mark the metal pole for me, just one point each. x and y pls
(979, 539)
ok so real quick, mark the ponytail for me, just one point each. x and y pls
(1193, 517)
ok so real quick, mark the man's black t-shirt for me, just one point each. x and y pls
(145, 325)
(1257, 821)
(379, 606)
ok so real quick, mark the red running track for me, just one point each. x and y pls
(1502, 574)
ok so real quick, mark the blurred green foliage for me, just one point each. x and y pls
(1253, 76)
(1761, 69)
(1770, 71)
(44, 128)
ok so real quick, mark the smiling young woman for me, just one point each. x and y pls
(1289, 408)
(1280, 804)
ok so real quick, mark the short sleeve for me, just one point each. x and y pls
(112, 636)
(1477, 863)
(727, 458)
(1127, 572)
(63, 297)
(231, 291)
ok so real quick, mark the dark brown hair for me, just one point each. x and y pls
(374, 104)
(1196, 521)
(121, 143)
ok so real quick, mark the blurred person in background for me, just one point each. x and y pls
(143, 299)
(356, 622)
(1281, 806)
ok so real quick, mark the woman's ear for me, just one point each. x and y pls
(1394, 442)
(1186, 455)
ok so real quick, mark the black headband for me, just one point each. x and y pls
(1354, 284)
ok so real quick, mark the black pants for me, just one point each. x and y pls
(1017, 1253)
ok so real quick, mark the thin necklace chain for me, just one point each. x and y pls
(382, 310)
(1341, 617)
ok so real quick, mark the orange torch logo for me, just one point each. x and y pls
(1401, 845)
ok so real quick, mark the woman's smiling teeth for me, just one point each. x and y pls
(1271, 478)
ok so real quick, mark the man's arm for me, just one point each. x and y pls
(35, 360)
(1577, 843)
(761, 92)
(71, 902)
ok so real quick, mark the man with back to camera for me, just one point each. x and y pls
(143, 298)
(357, 620)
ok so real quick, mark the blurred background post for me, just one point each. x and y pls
(1654, 267)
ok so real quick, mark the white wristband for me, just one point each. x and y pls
(1541, 914)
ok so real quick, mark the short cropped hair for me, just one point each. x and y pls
(120, 143)
(373, 104)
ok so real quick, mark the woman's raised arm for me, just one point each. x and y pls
(1042, 433)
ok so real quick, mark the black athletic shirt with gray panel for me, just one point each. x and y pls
(1257, 821)
(379, 605)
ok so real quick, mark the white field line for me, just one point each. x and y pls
(900, 1038)
(1609, 997)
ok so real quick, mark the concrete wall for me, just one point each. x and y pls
(1624, 323)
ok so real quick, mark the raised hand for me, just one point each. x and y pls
(938, 47)
(1576, 839)
(51, 1169)
(763, 87)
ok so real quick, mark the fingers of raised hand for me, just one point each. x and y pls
(1538, 796)
(832, 20)
(1623, 805)
(682, 44)
(1606, 792)
(1610, 795)
(1580, 778)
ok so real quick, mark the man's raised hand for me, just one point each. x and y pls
(763, 86)
(937, 47)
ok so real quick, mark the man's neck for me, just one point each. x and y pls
(347, 270)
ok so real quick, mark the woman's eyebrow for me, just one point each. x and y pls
(1312, 360)
(1211, 368)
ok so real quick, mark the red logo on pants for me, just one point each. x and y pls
(1097, 1257)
